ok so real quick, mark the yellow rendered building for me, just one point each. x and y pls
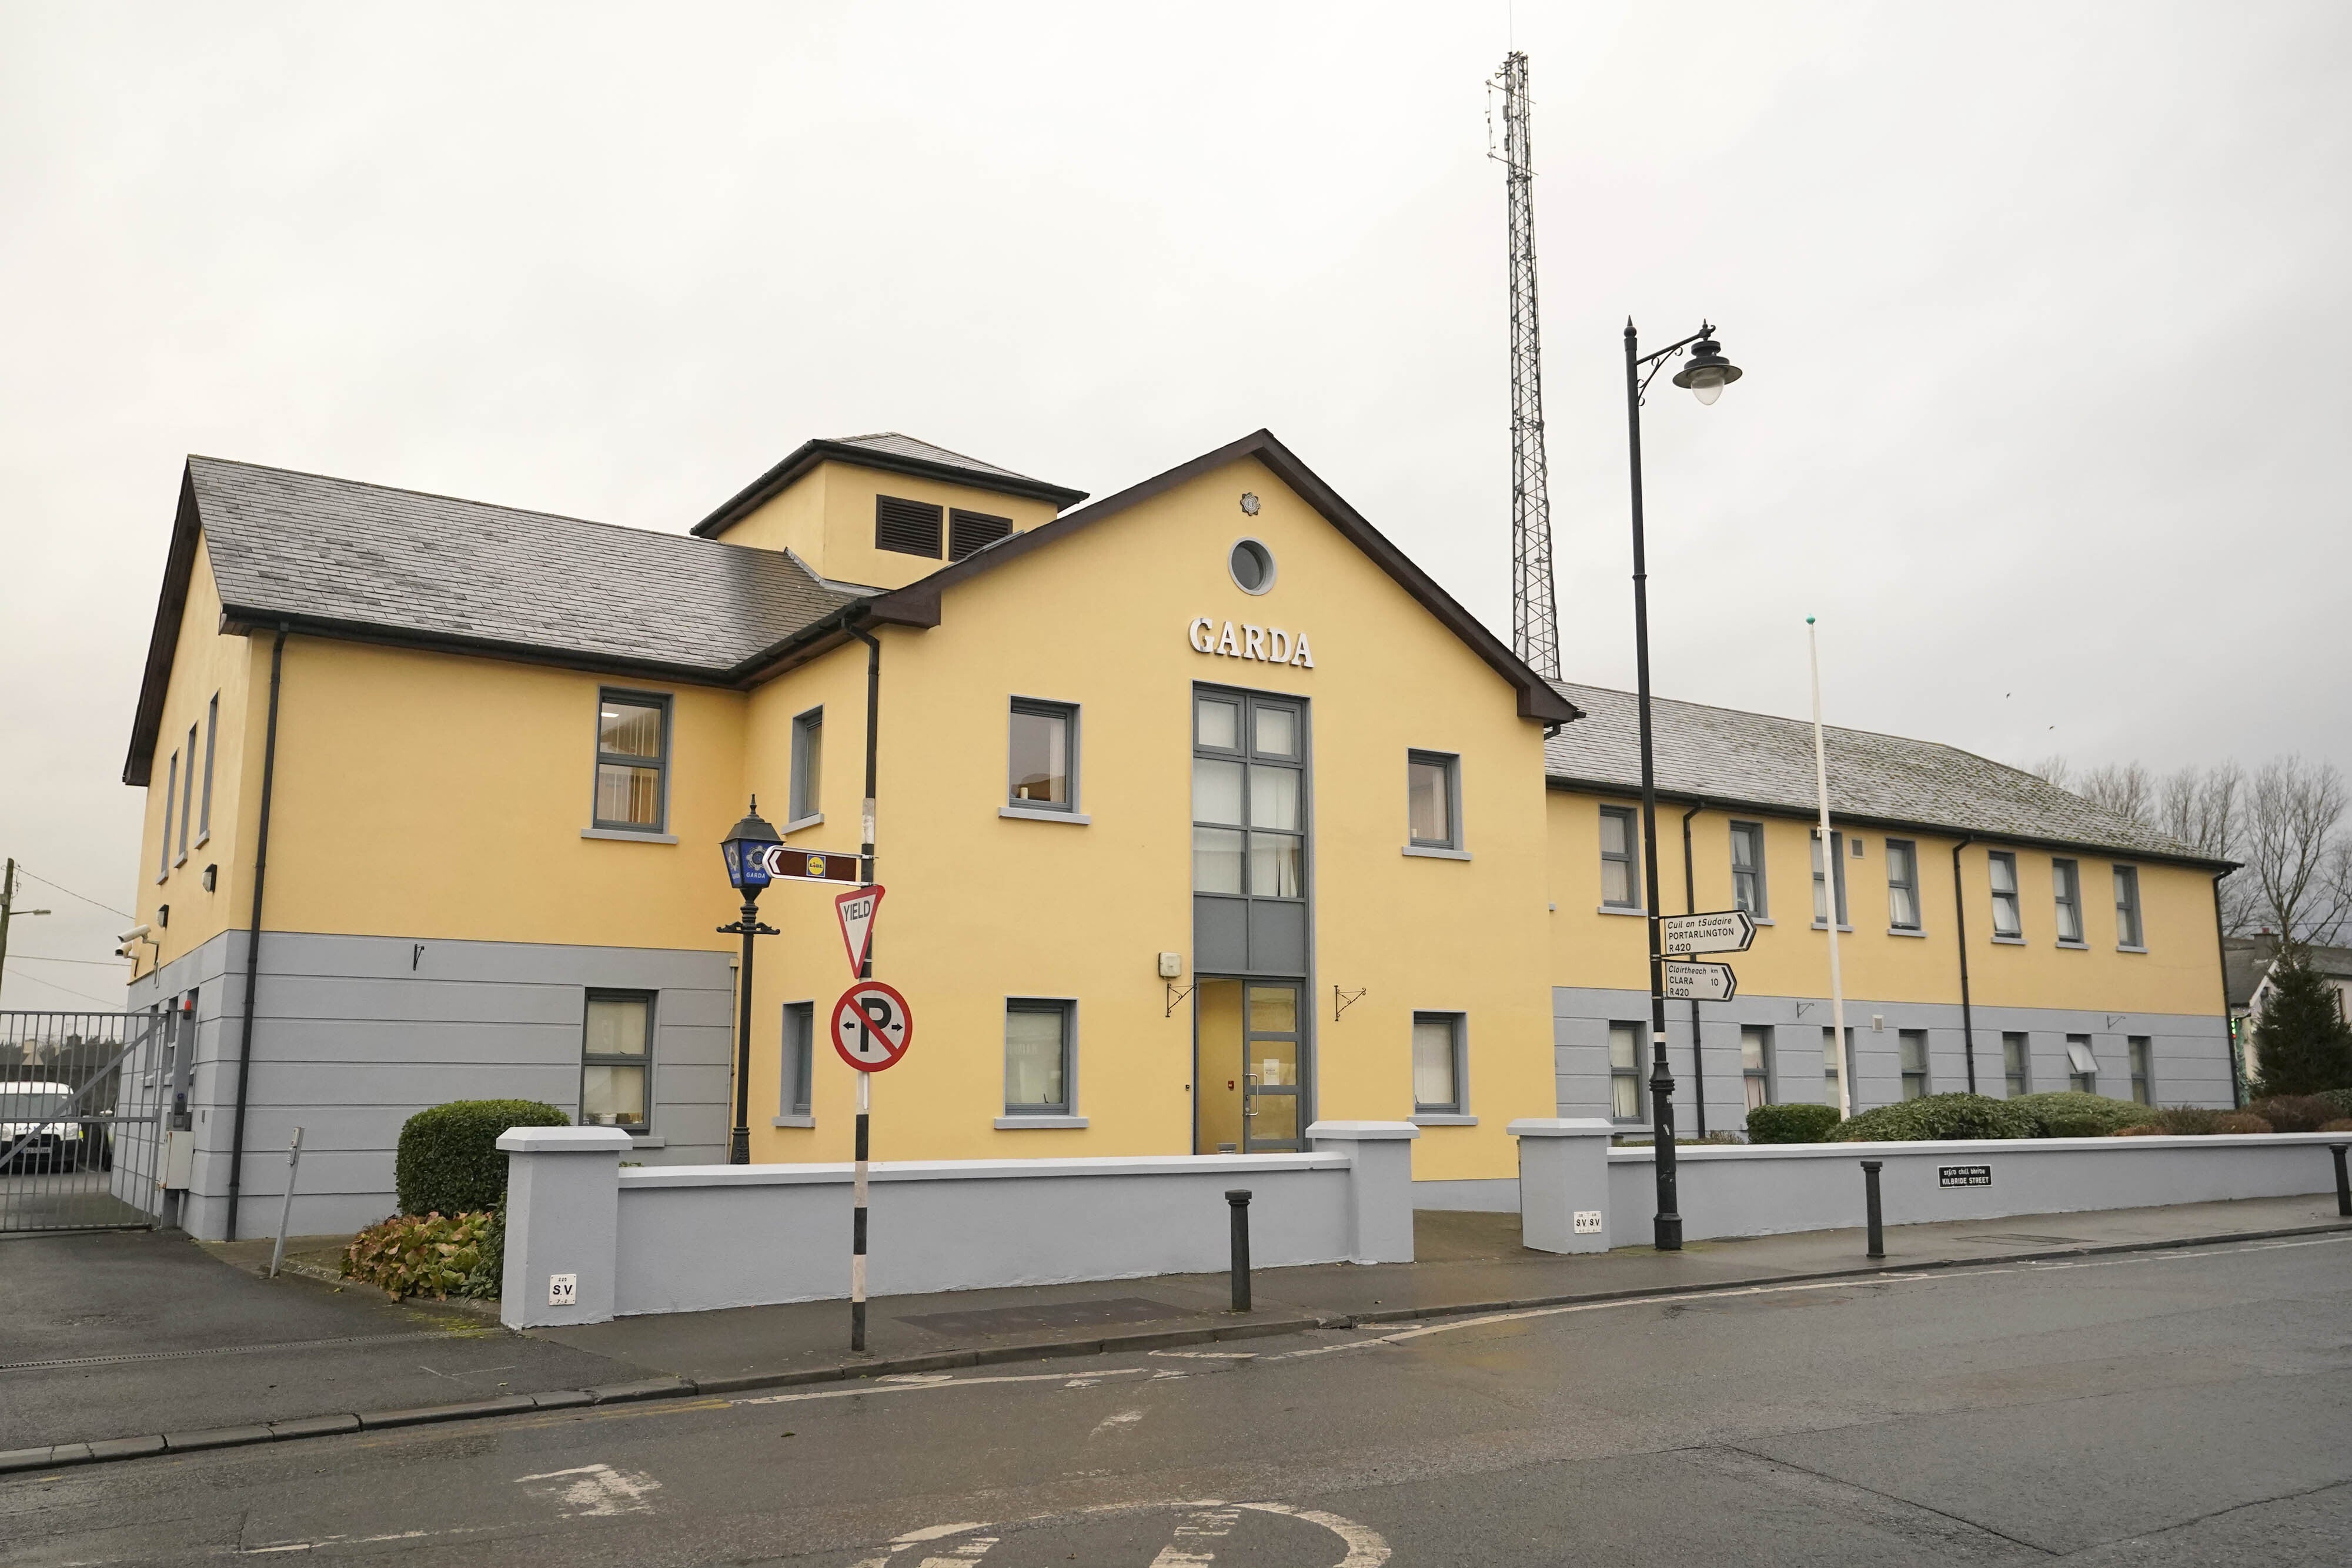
(1203, 813)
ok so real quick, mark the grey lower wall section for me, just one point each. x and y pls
(353, 1035)
(2192, 1051)
(1491, 1195)
(1765, 1189)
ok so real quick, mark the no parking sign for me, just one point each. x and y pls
(872, 1026)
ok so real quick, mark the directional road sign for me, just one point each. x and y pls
(816, 865)
(1725, 931)
(1701, 982)
(872, 1026)
(857, 909)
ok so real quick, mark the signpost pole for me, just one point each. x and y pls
(1832, 870)
(857, 1221)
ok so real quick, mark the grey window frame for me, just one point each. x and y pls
(1457, 1025)
(805, 802)
(2075, 1076)
(2019, 1081)
(652, 1000)
(1834, 854)
(1450, 764)
(2139, 1051)
(1925, 1075)
(1631, 818)
(797, 1081)
(187, 797)
(2066, 895)
(1067, 1010)
(1044, 707)
(2128, 910)
(1753, 833)
(171, 794)
(604, 759)
(936, 522)
(1641, 1088)
(2014, 898)
(1910, 884)
(1762, 1071)
(212, 741)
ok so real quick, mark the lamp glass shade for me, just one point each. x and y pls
(1706, 383)
(743, 851)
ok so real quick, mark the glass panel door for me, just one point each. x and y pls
(1270, 1070)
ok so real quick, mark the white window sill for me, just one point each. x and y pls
(2123, 948)
(1763, 920)
(802, 1119)
(182, 861)
(1441, 1119)
(2075, 946)
(204, 838)
(1028, 1123)
(1905, 931)
(1431, 853)
(1613, 909)
(628, 836)
(814, 818)
(1843, 929)
(2008, 941)
(161, 877)
(1030, 814)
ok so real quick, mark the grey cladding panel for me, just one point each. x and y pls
(1277, 937)
(1220, 935)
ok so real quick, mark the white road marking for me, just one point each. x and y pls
(970, 1552)
(1208, 1354)
(1192, 1543)
(596, 1490)
(1185, 1547)
(942, 1380)
(1112, 1422)
(1365, 1547)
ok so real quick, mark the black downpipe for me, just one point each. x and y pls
(1690, 906)
(2228, 1025)
(1961, 924)
(253, 934)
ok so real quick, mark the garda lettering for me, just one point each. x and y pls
(1270, 645)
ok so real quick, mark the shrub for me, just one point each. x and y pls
(2142, 1131)
(2341, 1125)
(2302, 1043)
(1790, 1124)
(2294, 1113)
(1938, 1116)
(2195, 1120)
(2341, 1099)
(2071, 1113)
(2242, 1122)
(449, 1161)
(420, 1254)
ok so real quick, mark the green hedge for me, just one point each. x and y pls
(2341, 1099)
(449, 1161)
(1938, 1116)
(2071, 1113)
(1790, 1124)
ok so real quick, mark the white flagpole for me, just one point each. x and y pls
(1830, 869)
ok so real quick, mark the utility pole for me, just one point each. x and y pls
(1535, 617)
(8, 911)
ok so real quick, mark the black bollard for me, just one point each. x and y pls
(1870, 1169)
(1239, 1198)
(2343, 1185)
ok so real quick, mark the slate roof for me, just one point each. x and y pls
(1736, 759)
(891, 452)
(2246, 962)
(898, 446)
(335, 552)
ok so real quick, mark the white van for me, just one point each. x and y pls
(35, 1131)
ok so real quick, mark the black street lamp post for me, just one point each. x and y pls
(1707, 375)
(744, 850)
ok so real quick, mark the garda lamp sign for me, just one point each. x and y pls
(1270, 645)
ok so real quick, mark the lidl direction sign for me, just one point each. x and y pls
(1724, 931)
(1701, 982)
(816, 865)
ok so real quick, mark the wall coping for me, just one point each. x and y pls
(1564, 1127)
(818, 1174)
(1703, 1153)
(1362, 1131)
(563, 1139)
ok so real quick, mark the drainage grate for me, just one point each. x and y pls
(245, 1349)
(1054, 1315)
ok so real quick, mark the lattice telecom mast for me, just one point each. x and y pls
(1535, 619)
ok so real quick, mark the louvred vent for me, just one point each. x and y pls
(909, 528)
(970, 531)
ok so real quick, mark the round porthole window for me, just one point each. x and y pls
(1253, 567)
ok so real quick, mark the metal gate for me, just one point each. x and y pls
(82, 1123)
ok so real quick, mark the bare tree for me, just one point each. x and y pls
(2053, 769)
(2122, 787)
(2199, 806)
(2297, 849)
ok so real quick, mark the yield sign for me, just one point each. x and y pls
(872, 1026)
(1701, 982)
(857, 909)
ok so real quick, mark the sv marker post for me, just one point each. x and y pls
(857, 1218)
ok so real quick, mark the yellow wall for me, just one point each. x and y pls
(2179, 973)
(826, 517)
(981, 907)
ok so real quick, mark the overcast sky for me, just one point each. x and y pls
(2043, 312)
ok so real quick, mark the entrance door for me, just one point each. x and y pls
(1248, 1044)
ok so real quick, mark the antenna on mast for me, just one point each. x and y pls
(1535, 617)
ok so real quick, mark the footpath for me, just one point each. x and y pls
(125, 1346)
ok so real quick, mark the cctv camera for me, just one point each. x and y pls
(133, 935)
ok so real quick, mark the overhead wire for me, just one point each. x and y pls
(24, 870)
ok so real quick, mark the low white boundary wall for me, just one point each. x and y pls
(681, 1238)
(1765, 1189)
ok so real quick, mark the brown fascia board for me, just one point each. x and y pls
(163, 641)
(809, 454)
(918, 603)
(1618, 790)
